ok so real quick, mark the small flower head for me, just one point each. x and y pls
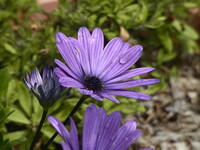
(46, 88)
(100, 131)
(97, 71)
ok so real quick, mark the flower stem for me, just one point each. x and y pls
(44, 114)
(84, 97)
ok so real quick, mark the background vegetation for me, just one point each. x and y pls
(27, 35)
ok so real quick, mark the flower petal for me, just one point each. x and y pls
(65, 146)
(84, 38)
(69, 53)
(85, 91)
(125, 61)
(70, 82)
(108, 128)
(131, 83)
(74, 135)
(66, 69)
(106, 95)
(92, 120)
(60, 128)
(97, 97)
(124, 137)
(131, 94)
(110, 52)
(131, 73)
(96, 49)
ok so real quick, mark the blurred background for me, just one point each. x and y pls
(169, 32)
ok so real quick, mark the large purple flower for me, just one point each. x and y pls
(100, 131)
(97, 71)
(46, 88)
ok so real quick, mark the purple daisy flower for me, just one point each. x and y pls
(47, 89)
(97, 71)
(100, 131)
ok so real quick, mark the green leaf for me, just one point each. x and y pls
(177, 25)
(19, 117)
(24, 98)
(189, 32)
(49, 131)
(165, 56)
(190, 4)
(9, 48)
(4, 113)
(18, 141)
(4, 80)
(165, 39)
(16, 134)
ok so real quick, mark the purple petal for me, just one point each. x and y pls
(36, 78)
(147, 149)
(97, 97)
(85, 92)
(60, 128)
(131, 73)
(66, 69)
(59, 72)
(74, 135)
(109, 127)
(92, 120)
(96, 49)
(131, 94)
(124, 62)
(124, 137)
(70, 82)
(110, 52)
(106, 95)
(131, 83)
(65, 146)
(84, 37)
(69, 53)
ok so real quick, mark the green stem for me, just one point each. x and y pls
(84, 97)
(36, 137)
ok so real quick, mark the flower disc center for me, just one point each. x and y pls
(93, 83)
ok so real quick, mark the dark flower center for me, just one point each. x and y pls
(93, 83)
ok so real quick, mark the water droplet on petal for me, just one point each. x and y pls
(123, 59)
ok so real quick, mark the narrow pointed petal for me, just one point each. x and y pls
(84, 37)
(60, 128)
(109, 127)
(65, 146)
(130, 94)
(66, 69)
(110, 52)
(97, 97)
(59, 72)
(74, 135)
(92, 121)
(85, 92)
(131, 83)
(35, 77)
(70, 82)
(106, 95)
(124, 62)
(131, 73)
(69, 53)
(96, 49)
(125, 136)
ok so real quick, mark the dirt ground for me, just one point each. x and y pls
(172, 120)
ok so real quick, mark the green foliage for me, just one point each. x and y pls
(27, 42)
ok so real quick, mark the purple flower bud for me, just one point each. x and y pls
(46, 88)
